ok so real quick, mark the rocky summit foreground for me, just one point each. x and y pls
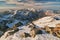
(44, 36)
(21, 25)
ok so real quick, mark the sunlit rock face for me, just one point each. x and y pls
(49, 21)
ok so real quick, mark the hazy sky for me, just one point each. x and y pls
(45, 3)
(2, 0)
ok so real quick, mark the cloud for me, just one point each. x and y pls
(2, 0)
(48, 3)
